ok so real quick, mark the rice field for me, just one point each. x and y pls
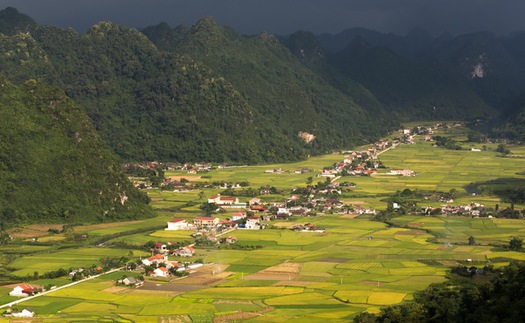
(355, 265)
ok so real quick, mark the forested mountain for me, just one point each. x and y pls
(54, 166)
(493, 66)
(276, 84)
(207, 93)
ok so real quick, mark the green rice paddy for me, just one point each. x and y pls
(355, 265)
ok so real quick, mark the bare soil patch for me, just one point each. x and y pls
(175, 319)
(415, 224)
(350, 216)
(358, 202)
(285, 267)
(33, 230)
(241, 316)
(285, 271)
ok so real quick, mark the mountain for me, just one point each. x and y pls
(272, 80)
(53, 165)
(411, 89)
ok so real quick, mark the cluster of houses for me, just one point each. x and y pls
(239, 220)
(159, 265)
(25, 313)
(282, 171)
(307, 227)
(472, 209)
(355, 163)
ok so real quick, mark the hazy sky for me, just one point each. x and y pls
(287, 16)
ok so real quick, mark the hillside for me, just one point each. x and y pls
(53, 165)
(276, 83)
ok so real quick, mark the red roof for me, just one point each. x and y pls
(227, 198)
(258, 208)
(159, 244)
(157, 256)
(176, 220)
(26, 287)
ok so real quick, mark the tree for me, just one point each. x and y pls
(515, 243)
(502, 148)
(471, 241)
(309, 180)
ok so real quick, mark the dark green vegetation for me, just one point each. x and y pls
(472, 295)
(218, 97)
(53, 165)
(207, 93)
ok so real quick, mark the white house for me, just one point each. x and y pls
(177, 224)
(155, 259)
(185, 251)
(22, 290)
(26, 312)
(220, 200)
(253, 223)
(203, 221)
(238, 216)
(161, 272)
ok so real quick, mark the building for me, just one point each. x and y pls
(203, 221)
(223, 200)
(177, 224)
(23, 290)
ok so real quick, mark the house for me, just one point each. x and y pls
(228, 224)
(75, 271)
(155, 259)
(26, 312)
(160, 247)
(161, 272)
(230, 239)
(254, 201)
(203, 221)
(253, 223)
(258, 208)
(238, 216)
(177, 224)
(402, 172)
(221, 201)
(23, 290)
(184, 251)
(132, 281)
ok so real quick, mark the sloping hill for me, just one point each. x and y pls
(54, 166)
